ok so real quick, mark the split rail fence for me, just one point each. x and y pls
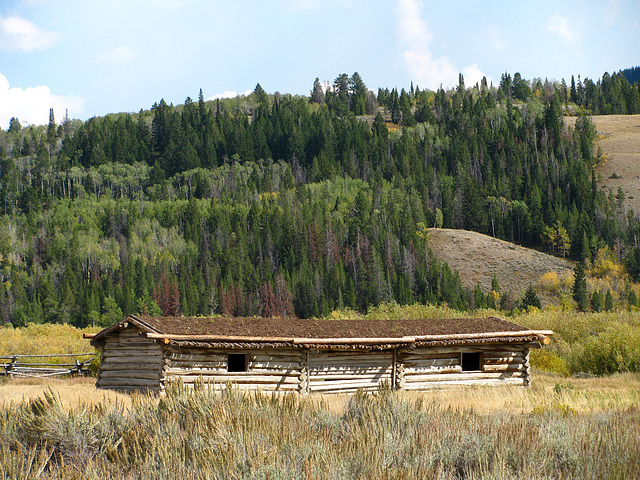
(44, 365)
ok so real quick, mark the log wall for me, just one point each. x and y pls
(130, 362)
(429, 367)
(267, 369)
(333, 371)
(133, 362)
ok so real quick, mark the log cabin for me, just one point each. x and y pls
(308, 356)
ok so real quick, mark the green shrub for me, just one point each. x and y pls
(616, 349)
(549, 362)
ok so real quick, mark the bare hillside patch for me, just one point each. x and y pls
(477, 257)
(619, 140)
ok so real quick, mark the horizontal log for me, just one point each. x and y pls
(351, 357)
(126, 382)
(222, 357)
(223, 371)
(253, 365)
(130, 374)
(131, 353)
(516, 347)
(128, 388)
(267, 352)
(343, 391)
(124, 337)
(350, 366)
(132, 344)
(334, 387)
(446, 377)
(429, 356)
(500, 360)
(365, 362)
(541, 334)
(327, 354)
(505, 367)
(358, 378)
(17, 370)
(127, 366)
(188, 364)
(262, 379)
(427, 363)
(411, 372)
(349, 370)
(277, 358)
(218, 387)
(125, 347)
(195, 358)
(151, 360)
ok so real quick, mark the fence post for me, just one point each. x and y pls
(12, 365)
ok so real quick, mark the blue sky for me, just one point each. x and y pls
(96, 57)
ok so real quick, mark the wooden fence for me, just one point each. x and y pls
(43, 366)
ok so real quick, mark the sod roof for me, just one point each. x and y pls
(293, 327)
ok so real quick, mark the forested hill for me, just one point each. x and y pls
(278, 204)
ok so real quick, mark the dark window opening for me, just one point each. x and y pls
(237, 362)
(471, 362)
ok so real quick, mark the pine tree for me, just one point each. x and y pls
(52, 129)
(317, 93)
(531, 299)
(580, 294)
(608, 301)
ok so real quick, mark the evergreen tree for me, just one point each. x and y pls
(52, 129)
(580, 294)
(14, 125)
(317, 93)
(531, 299)
(608, 301)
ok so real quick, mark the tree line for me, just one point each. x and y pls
(281, 205)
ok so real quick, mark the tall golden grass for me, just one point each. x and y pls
(201, 434)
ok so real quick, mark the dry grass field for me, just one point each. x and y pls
(576, 429)
(581, 395)
(619, 140)
(477, 257)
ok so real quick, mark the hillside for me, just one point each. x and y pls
(619, 140)
(284, 205)
(477, 257)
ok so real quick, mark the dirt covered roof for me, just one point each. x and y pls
(289, 327)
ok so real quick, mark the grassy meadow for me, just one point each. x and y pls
(579, 419)
(200, 434)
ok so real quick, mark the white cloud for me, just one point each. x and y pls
(425, 70)
(230, 94)
(20, 35)
(32, 104)
(119, 54)
(560, 26)
(472, 75)
(496, 40)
